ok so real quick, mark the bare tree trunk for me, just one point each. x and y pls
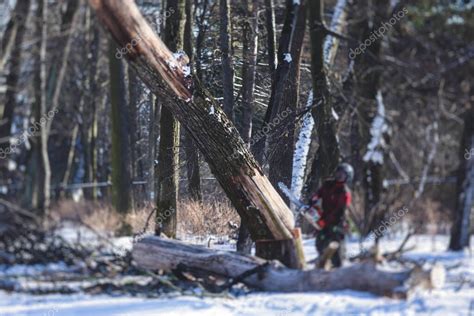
(327, 157)
(20, 14)
(226, 57)
(168, 156)
(370, 144)
(249, 60)
(261, 208)
(281, 141)
(89, 130)
(37, 163)
(461, 229)
(249, 57)
(192, 153)
(121, 166)
(281, 73)
(303, 144)
(271, 37)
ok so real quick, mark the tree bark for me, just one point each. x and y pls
(259, 205)
(160, 254)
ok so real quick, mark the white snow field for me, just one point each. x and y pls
(455, 298)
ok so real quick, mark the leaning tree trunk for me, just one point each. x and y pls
(168, 156)
(460, 231)
(259, 205)
(159, 254)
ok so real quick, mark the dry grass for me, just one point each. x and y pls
(207, 218)
(100, 216)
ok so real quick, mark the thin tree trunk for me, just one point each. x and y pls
(249, 60)
(249, 57)
(121, 166)
(192, 153)
(89, 130)
(225, 37)
(303, 145)
(271, 37)
(461, 229)
(261, 208)
(168, 156)
(367, 73)
(281, 141)
(327, 157)
(281, 73)
(6, 121)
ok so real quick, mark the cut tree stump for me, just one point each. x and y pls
(155, 253)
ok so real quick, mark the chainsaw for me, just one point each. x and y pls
(311, 213)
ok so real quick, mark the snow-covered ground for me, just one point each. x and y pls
(455, 298)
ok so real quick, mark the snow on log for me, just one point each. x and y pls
(155, 253)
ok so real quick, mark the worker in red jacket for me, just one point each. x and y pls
(330, 202)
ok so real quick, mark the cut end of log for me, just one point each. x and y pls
(437, 276)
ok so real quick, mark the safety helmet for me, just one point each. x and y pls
(348, 170)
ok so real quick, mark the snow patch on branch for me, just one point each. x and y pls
(336, 23)
(287, 57)
(377, 130)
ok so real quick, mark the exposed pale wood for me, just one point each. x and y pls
(159, 254)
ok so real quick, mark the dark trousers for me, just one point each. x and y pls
(324, 238)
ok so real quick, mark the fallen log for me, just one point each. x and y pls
(155, 253)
